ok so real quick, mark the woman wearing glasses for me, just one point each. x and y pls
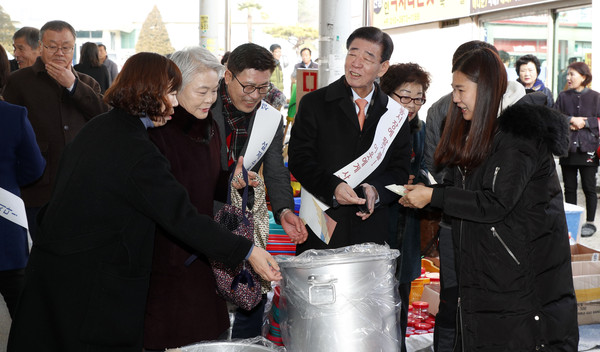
(502, 192)
(407, 84)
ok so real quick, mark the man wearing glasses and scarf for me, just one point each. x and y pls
(239, 112)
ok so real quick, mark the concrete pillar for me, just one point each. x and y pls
(334, 29)
(596, 45)
(209, 10)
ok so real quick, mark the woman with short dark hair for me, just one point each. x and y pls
(528, 69)
(88, 274)
(407, 84)
(582, 105)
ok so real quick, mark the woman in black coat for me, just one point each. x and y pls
(502, 191)
(89, 63)
(87, 278)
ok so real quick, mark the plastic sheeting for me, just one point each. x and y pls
(589, 337)
(256, 344)
(343, 299)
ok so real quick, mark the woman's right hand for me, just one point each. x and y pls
(264, 264)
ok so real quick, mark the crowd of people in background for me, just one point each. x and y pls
(120, 174)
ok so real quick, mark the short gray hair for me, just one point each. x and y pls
(31, 35)
(195, 59)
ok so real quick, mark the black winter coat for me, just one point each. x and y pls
(510, 236)
(87, 278)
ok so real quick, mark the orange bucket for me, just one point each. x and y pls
(416, 288)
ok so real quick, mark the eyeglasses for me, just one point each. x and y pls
(407, 100)
(52, 49)
(249, 89)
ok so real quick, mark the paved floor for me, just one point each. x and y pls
(593, 242)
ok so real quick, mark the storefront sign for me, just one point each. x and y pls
(479, 6)
(398, 13)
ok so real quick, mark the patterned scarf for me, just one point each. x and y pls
(237, 122)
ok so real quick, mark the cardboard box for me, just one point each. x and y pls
(581, 253)
(431, 295)
(586, 280)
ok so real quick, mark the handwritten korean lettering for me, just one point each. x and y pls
(4, 209)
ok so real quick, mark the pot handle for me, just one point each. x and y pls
(321, 290)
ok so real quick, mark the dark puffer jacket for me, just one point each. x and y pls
(510, 237)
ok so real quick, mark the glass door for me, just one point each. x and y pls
(573, 42)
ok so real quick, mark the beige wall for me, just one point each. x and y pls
(431, 47)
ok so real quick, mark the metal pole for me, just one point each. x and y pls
(334, 29)
(208, 25)
(227, 26)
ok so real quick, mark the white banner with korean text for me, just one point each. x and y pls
(265, 126)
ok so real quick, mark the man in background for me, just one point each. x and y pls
(277, 75)
(113, 70)
(59, 101)
(26, 44)
(306, 62)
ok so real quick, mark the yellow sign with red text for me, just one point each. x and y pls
(398, 13)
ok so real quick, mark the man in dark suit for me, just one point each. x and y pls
(245, 83)
(59, 101)
(327, 136)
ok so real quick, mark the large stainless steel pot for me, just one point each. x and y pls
(340, 300)
(223, 347)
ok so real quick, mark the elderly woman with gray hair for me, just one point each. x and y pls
(183, 306)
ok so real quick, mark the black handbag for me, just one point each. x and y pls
(240, 286)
